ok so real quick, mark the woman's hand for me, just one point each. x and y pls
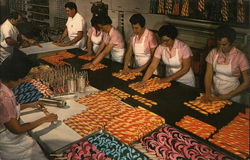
(87, 66)
(140, 84)
(207, 98)
(51, 117)
(125, 71)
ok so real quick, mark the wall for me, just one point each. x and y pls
(193, 33)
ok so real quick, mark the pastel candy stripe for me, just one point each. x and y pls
(84, 150)
(115, 149)
(169, 143)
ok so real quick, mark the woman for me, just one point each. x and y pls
(15, 142)
(112, 43)
(175, 54)
(95, 36)
(225, 65)
(142, 44)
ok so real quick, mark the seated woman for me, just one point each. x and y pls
(15, 143)
(225, 65)
(112, 43)
(95, 37)
(175, 54)
(142, 44)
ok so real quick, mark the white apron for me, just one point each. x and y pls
(117, 54)
(139, 50)
(173, 65)
(18, 147)
(96, 41)
(224, 81)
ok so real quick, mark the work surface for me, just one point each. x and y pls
(170, 100)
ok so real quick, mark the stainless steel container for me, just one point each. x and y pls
(81, 83)
(71, 85)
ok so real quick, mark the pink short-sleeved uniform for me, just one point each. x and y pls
(114, 37)
(7, 104)
(238, 59)
(149, 41)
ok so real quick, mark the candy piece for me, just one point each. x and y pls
(150, 86)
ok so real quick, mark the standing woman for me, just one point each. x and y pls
(175, 54)
(142, 44)
(15, 143)
(225, 65)
(95, 37)
(112, 43)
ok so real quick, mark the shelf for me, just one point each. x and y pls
(37, 5)
(43, 21)
(46, 14)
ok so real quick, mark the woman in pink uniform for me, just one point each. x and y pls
(112, 43)
(225, 65)
(95, 37)
(15, 143)
(175, 54)
(142, 44)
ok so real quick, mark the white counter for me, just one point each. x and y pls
(46, 47)
(55, 136)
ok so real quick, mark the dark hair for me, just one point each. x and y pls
(104, 20)
(14, 15)
(15, 66)
(70, 5)
(168, 30)
(225, 31)
(137, 18)
(94, 21)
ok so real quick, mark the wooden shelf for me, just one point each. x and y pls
(46, 14)
(42, 21)
(37, 5)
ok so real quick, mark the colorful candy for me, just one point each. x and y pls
(213, 107)
(196, 127)
(126, 77)
(145, 101)
(150, 86)
(235, 136)
(169, 143)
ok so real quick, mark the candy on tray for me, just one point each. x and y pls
(234, 137)
(150, 86)
(169, 143)
(145, 101)
(126, 77)
(57, 60)
(97, 67)
(87, 58)
(116, 92)
(196, 126)
(113, 148)
(213, 107)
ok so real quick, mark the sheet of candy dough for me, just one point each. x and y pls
(46, 47)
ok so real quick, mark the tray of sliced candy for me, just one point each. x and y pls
(98, 146)
(167, 142)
